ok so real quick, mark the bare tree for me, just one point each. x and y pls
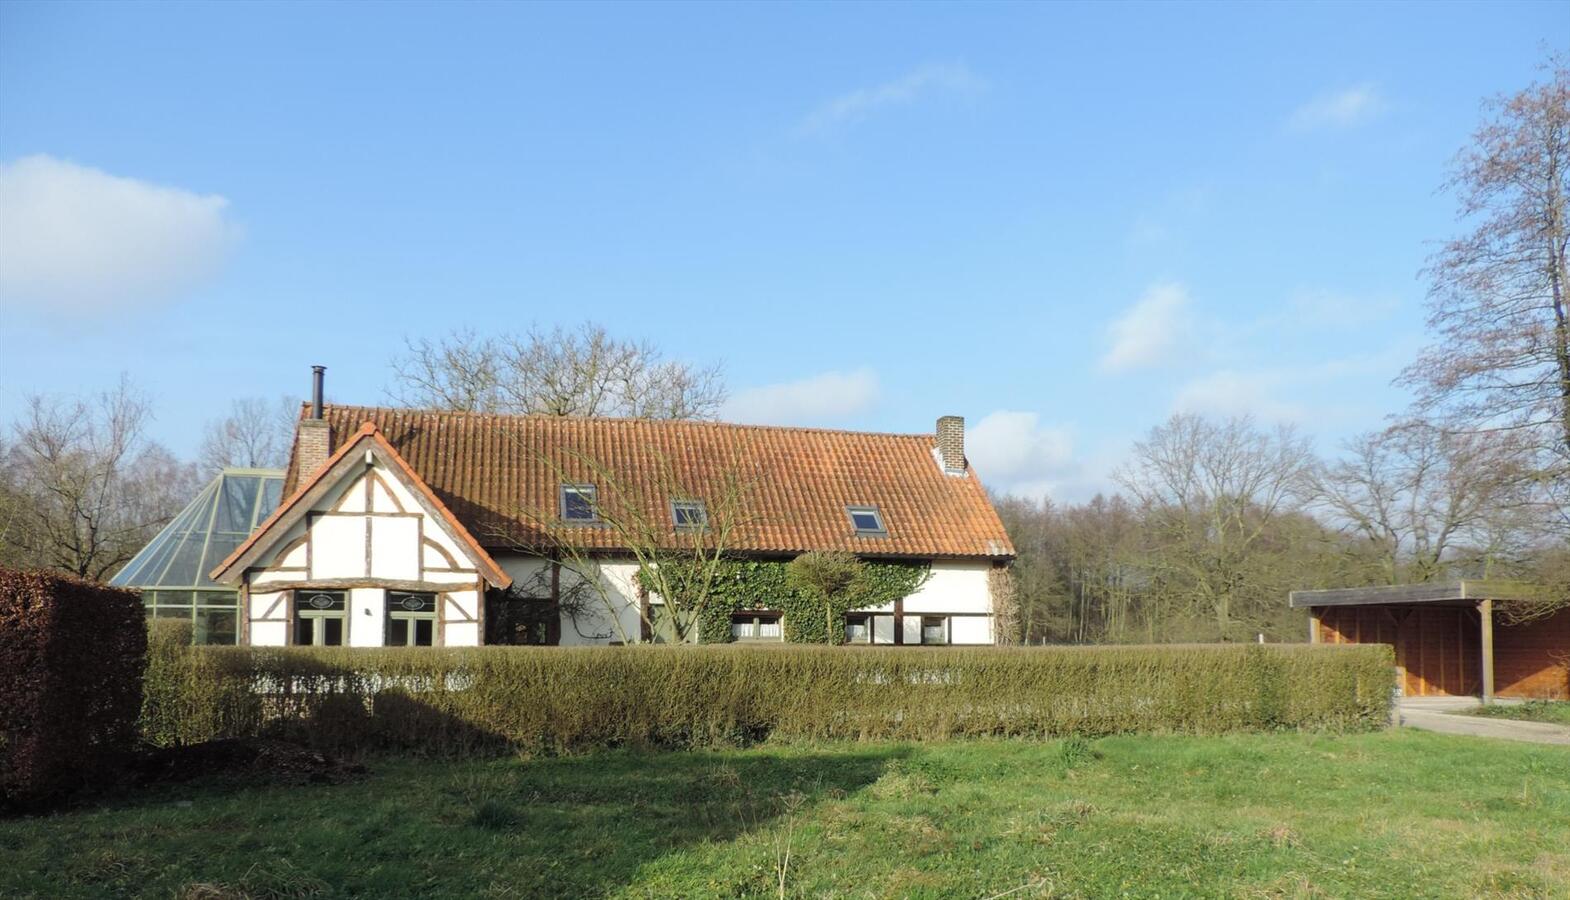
(1424, 499)
(86, 489)
(585, 372)
(255, 435)
(1209, 492)
(1497, 299)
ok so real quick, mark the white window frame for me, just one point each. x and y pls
(411, 617)
(755, 633)
(702, 510)
(866, 509)
(316, 617)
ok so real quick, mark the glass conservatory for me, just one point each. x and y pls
(171, 571)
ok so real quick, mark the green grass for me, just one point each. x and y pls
(1554, 712)
(1394, 814)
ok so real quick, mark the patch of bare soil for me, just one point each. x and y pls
(251, 759)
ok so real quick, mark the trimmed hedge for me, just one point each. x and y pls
(557, 699)
(71, 658)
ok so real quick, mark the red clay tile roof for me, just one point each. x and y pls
(501, 476)
(295, 505)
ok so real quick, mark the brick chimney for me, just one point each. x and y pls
(951, 444)
(313, 440)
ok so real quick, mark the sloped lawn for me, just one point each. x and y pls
(1397, 814)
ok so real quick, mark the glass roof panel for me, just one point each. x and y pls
(236, 504)
(214, 523)
(272, 493)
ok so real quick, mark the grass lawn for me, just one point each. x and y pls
(1396, 814)
(1554, 712)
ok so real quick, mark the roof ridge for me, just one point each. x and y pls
(631, 420)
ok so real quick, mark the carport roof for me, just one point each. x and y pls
(1429, 592)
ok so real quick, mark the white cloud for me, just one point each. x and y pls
(1235, 393)
(1335, 310)
(1311, 394)
(907, 89)
(1340, 109)
(824, 398)
(79, 241)
(1151, 331)
(1015, 453)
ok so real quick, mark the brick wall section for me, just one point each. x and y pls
(951, 442)
(313, 444)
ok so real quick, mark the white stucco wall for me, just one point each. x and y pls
(268, 613)
(957, 590)
(955, 586)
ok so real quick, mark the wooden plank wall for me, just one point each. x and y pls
(1436, 646)
(1532, 659)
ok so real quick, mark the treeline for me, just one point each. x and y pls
(1215, 522)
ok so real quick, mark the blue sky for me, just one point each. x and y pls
(1062, 222)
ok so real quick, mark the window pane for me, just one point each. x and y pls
(219, 546)
(322, 600)
(740, 628)
(769, 628)
(235, 504)
(933, 630)
(172, 612)
(401, 601)
(424, 630)
(303, 631)
(578, 503)
(398, 633)
(272, 492)
(864, 519)
(334, 627)
(689, 514)
(217, 626)
(184, 569)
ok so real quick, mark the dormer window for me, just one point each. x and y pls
(689, 515)
(579, 503)
(866, 520)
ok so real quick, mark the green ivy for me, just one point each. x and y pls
(761, 584)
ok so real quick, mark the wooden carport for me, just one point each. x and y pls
(1448, 637)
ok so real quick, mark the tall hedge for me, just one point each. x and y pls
(567, 698)
(71, 658)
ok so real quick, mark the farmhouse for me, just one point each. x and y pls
(1450, 638)
(415, 527)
